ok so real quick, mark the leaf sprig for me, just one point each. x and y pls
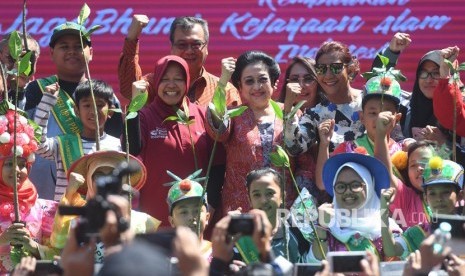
(376, 71)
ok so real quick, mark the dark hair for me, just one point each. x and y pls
(456, 189)
(353, 65)
(102, 90)
(186, 23)
(411, 148)
(256, 174)
(365, 100)
(308, 63)
(253, 57)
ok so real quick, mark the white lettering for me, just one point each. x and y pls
(406, 23)
(329, 3)
(248, 27)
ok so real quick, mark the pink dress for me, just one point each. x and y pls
(244, 153)
(39, 222)
(408, 208)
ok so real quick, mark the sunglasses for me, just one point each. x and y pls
(335, 68)
(307, 80)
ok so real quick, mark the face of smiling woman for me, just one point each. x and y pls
(350, 190)
(256, 87)
(172, 87)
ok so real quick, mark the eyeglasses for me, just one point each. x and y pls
(182, 46)
(434, 75)
(307, 80)
(260, 81)
(355, 187)
(335, 68)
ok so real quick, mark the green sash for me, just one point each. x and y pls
(63, 111)
(70, 146)
(363, 245)
(248, 250)
(413, 237)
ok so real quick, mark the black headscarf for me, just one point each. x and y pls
(421, 108)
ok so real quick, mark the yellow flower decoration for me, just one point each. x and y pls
(435, 163)
(399, 160)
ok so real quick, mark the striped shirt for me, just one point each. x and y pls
(49, 147)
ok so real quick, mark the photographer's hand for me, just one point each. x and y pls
(222, 246)
(262, 234)
(26, 267)
(110, 233)
(370, 265)
(76, 260)
(186, 248)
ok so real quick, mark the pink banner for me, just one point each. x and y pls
(282, 28)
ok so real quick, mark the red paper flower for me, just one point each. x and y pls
(185, 185)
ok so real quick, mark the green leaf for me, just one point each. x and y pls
(461, 67)
(37, 130)
(378, 71)
(397, 74)
(282, 153)
(368, 75)
(295, 109)
(236, 111)
(170, 118)
(451, 66)
(181, 115)
(219, 101)
(92, 29)
(138, 102)
(276, 160)
(15, 46)
(279, 158)
(83, 14)
(25, 64)
(117, 110)
(384, 60)
(190, 122)
(277, 109)
(131, 115)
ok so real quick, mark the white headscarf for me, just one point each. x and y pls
(366, 220)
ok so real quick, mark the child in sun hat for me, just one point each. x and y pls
(82, 177)
(353, 221)
(33, 229)
(184, 199)
(443, 191)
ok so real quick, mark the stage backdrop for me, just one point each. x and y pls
(282, 28)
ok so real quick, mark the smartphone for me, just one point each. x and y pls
(47, 268)
(306, 269)
(161, 238)
(345, 261)
(457, 242)
(241, 224)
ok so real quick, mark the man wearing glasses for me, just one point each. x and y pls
(189, 38)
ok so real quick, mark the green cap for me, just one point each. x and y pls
(69, 28)
(182, 190)
(384, 84)
(439, 171)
